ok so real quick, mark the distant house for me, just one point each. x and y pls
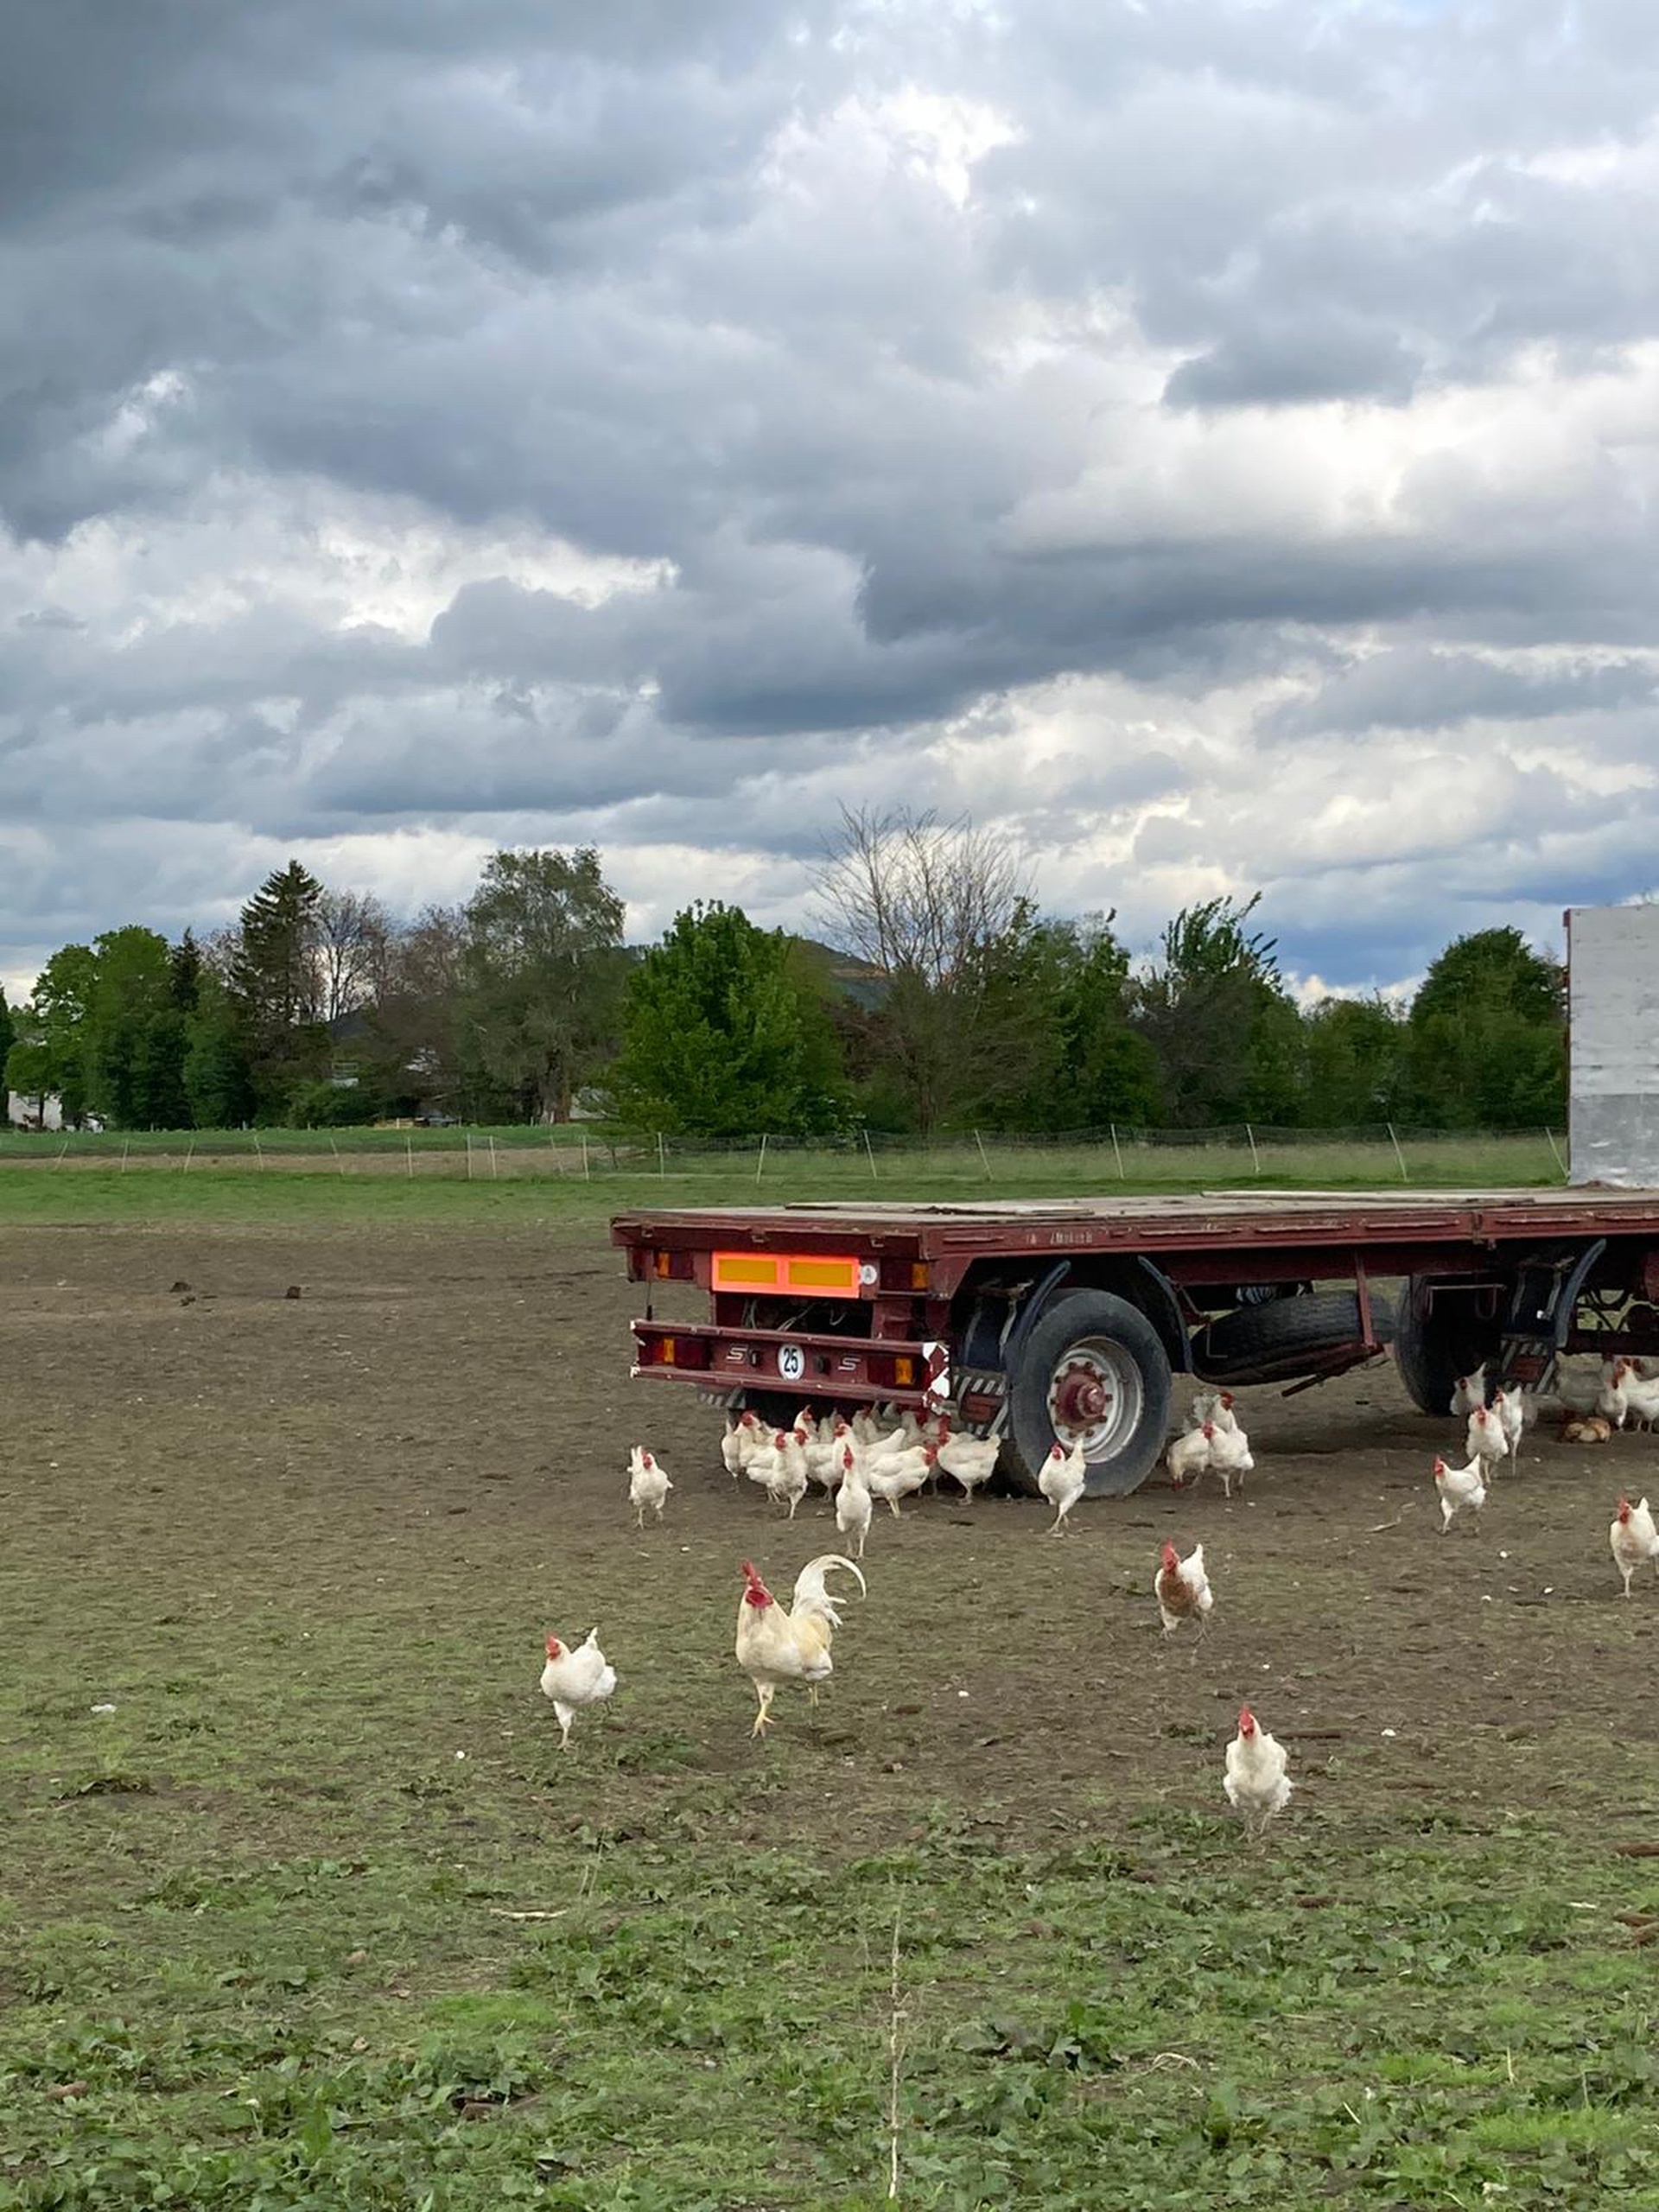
(348, 1036)
(33, 1113)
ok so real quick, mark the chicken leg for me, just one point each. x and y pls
(764, 1691)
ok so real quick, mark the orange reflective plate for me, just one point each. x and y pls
(810, 1275)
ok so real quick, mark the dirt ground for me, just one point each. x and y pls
(433, 1434)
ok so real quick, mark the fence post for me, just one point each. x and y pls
(1549, 1138)
(1255, 1157)
(63, 1154)
(870, 1150)
(587, 1171)
(469, 1156)
(493, 1166)
(125, 1150)
(258, 1153)
(340, 1164)
(1398, 1154)
(661, 1155)
(190, 1154)
(760, 1164)
(984, 1159)
(1117, 1151)
(408, 1139)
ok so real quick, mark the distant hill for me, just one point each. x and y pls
(842, 976)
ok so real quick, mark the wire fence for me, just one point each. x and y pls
(1379, 1153)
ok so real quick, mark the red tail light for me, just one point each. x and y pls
(674, 1351)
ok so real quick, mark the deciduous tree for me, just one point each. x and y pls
(726, 1034)
(542, 972)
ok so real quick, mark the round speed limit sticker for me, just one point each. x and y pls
(791, 1363)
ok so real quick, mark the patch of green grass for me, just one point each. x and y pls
(698, 2031)
(305, 1187)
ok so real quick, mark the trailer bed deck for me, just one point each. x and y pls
(1191, 1220)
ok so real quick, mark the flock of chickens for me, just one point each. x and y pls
(1591, 1407)
(857, 1461)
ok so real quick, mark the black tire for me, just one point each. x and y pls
(1287, 1340)
(1090, 1331)
(1432, 1349)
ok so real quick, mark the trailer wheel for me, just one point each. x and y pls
(1434, 1346)
(1092, 1372)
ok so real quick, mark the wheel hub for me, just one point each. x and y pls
(1082, 1398)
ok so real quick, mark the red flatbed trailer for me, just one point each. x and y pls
(1068, 1318)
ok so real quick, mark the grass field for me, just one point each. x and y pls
(882, 1168)
(317, 1915)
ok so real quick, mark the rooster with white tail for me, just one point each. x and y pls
(774, 1646)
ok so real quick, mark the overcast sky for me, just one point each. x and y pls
(1213, 439)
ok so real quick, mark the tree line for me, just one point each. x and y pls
(932, 993)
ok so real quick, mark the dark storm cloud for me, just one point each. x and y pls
(886, 338)
(1416, 688)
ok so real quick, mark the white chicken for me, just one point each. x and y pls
(738, 1445)
(1182, 1589)
(1577, 1389)
(572, 1680)
(765, 1463)
(1189, 1455)
(892, 1475)
(1515, 1415)
(787, 1481)
(1061, 1479)
(1457, 1487)
(731, 1447)
(879, 1445)
(969, 1461)
(1612, 1402)
(648, 1485)
(1633, 1538)
(1486, 1441)
(852, 1501)
(753, 1436)
(1215, 1406)
(824, 1446)
(1258, 1779)
(774, 1646)
(1230, 1455)
(1222, 1414)
(1641, 1399)
(1470, 1392)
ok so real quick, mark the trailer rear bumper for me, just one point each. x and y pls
(718, 1360)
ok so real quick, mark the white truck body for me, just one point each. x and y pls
(1613, 1006)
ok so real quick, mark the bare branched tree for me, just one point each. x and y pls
(928, 904)
(220, 950)
(913, 895)
(354, 936)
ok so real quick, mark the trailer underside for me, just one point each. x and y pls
(1042, 1320)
